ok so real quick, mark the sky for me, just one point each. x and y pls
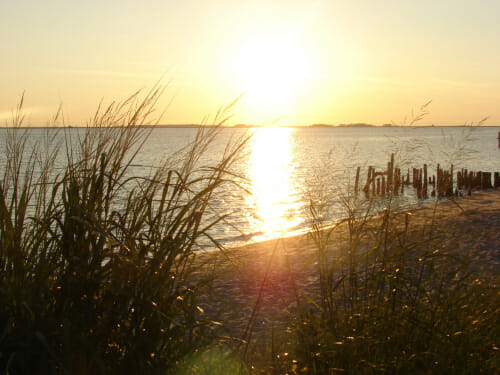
(295, 62)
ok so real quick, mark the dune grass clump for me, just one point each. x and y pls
(392, 296)
(94, 259)
(398, 300)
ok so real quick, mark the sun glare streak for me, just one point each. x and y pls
(273, 189)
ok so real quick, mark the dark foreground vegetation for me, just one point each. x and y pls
(99, 273)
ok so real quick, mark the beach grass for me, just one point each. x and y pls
(102, 273)
(399, 298)
(401, 292)
(95, 260)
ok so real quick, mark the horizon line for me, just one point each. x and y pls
(243, 126)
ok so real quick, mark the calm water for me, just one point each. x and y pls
(284, 168)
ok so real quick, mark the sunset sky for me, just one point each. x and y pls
(302, 62)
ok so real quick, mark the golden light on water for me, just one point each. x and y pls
(273, 186)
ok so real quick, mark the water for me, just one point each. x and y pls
(284, 168)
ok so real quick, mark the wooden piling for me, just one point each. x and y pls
(373, 180)
(486, 180)
(424, 188)
(460, 181)
(356, 181)
(391, 181)
(438, 180)
(449, 190)
(366, 188)
(390, 174)
(396, 181)
(470, 182)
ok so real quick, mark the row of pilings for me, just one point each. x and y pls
(469, 180)
(440, 184)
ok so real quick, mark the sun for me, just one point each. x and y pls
(272, 70)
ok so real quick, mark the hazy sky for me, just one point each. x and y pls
(304, 62)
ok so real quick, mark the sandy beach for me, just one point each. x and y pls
(276, 273)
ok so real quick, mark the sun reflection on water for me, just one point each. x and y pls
(274, 189)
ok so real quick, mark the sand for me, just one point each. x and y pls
(274, 273)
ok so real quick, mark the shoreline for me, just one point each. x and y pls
(271, 273)
(480, 203)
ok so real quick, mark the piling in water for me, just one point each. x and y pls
(391, 181)
(356, 182)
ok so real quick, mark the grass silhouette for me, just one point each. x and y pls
(100, 271)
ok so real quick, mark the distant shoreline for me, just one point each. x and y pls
(244, 126)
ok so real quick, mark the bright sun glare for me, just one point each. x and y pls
(273, 187)
(272, 69)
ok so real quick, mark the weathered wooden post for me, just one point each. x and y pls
(425, 182)
(460, 182)
(438, 181)
(470, 183)
(485, 180)
(373, 180)
(390, 174)
(356, 181)
(450, 182)
(366, 188)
